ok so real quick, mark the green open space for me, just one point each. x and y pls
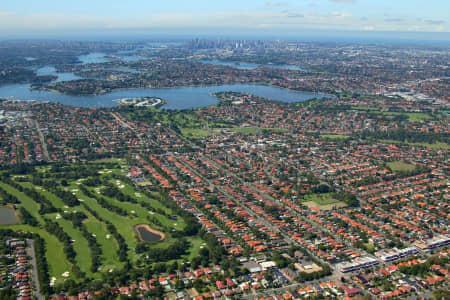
(80, 245)
(245, 130)
(400, 166)
(279, 130)
(109, 247)
(334, 136)
(25, 201)
(195, 132)
(437, 145)
(196, 245)
(322, 201)
(412, 117)
(56, 259)
(142, 207)
(364, 108)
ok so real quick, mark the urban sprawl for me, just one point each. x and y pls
(337, 197)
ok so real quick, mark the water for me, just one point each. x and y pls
(250, 66)
(61, 76)
(95, 57)
(7, 216)
(284, 67)
(146, 235)
(164, 44)
(176, 98)
(240, 66)
(133, 58)
(125, 70)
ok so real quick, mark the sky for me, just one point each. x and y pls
(33, 17)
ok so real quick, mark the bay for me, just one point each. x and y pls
(250, 66)
(176, 98)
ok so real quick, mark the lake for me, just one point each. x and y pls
(176, 98)
(146, 235)
(7, 216)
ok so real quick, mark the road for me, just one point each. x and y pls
(34, 273)
(288, 288)
(261, 219)
(42, 140)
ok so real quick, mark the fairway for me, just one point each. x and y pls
(94, 219)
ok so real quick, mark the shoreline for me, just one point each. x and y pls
(182, 86)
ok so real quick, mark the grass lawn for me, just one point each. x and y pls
(129, 190)
(142, 213)
(108, 244)
(81, 246)
(124, 224)
(363, 108)
(25, 201)
(412, 117)
(57, 202)
(196, 244)
(279, 130)
(323, 201)
(437, 145)
(400, 166)
(195, 133)
(245, 130)
(334, 136)
(56, 258)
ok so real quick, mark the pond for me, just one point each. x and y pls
(147, 234)
(7, 216)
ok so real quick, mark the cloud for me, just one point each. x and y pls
(343, 1)
(283, 20)
(368, 28)
(277, 4)
(295, 15)
(340, 14)
(434, 22)
(394, 20)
